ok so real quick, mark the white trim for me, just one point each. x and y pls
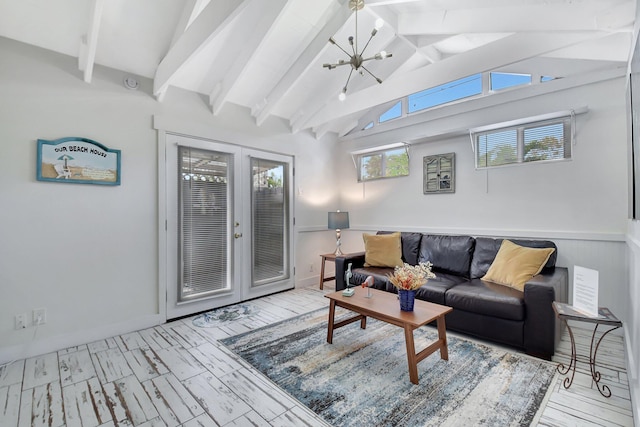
(527, 120)
(162, 224)
(489, 232)
(380, 148)
(72, 339)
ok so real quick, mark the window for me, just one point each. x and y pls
(448, 92)
(368, 126)
(203, 193)
(392, 113)
(529, 142)
(387, 163)
(505, 80)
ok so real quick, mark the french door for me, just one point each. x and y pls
(229, 224)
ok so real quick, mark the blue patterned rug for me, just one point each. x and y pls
(362, 378)
(218, 316)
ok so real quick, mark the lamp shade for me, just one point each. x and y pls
(338, 220)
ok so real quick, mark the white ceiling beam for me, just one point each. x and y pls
(527, 18)
(321, 131)
(348, 128)
(88, 47)
(267, 21)
(338, 16)
(508, 50)
(188, 11)
(215, 17)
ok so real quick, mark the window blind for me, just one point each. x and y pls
(203, 222)
(270, 219)
(529, 142)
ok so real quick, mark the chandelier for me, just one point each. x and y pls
(357, 59)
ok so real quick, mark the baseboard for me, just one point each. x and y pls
(59, 342)
(308, 281)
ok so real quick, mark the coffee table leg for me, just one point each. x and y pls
(411, 354)
(332, 310)
(442, 336)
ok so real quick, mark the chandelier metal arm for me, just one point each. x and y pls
(372, 75)
(373, 33)
(344, 90)
(339, 47)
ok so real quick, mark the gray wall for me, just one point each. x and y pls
(88, 253)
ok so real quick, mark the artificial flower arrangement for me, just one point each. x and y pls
(410, 277)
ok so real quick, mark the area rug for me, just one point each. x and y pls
(362, 378)
(218, 316)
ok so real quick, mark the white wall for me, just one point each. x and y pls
(87, 253)
(580, 204)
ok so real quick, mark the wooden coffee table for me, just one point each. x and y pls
(385, 306)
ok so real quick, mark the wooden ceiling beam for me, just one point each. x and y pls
(267, 21)
(576, 16)
(338, 15)
(89, 44)
(214, 18)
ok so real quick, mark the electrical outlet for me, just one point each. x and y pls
(21, 321)
(39, 316)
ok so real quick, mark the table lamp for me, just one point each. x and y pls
(338, 221)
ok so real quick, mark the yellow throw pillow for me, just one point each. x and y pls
(515, 265)
(382, 250)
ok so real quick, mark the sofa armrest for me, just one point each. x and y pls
(342, 263)
(541, 330)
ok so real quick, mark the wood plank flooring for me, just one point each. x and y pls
(179, 375)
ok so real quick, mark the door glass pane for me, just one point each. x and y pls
(269, 221)
(203, 222)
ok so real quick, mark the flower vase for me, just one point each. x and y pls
(407, 298)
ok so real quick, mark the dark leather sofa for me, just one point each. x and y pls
(524, 320)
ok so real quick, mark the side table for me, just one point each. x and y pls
(331, 258)
(325, 257)
(606, 317)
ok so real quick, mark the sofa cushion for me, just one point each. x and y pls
(486, 249)
(514, 265)
(382, 250)
(448, 254)
(410, 246)
(486, 298)
(435, 289)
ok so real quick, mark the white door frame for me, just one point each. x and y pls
(167, 251)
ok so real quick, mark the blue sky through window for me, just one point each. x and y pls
(392, 113)
(448, 92)
(505, 80)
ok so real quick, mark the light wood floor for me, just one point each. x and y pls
(178, 374)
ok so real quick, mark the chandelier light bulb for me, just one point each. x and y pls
(379, 23)
(342, 96)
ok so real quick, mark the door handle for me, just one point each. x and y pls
(237, 235)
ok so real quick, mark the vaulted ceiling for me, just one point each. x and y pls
(268, 55)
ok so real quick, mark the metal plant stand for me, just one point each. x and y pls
(566, 312)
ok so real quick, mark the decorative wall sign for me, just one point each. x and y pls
(77, 160)
(439, 173)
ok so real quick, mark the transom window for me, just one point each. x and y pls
(392, 113)
(448, 92)
(529, 142)
(501, 81)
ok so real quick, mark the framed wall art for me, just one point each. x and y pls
(439, 173)
(77, 160)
